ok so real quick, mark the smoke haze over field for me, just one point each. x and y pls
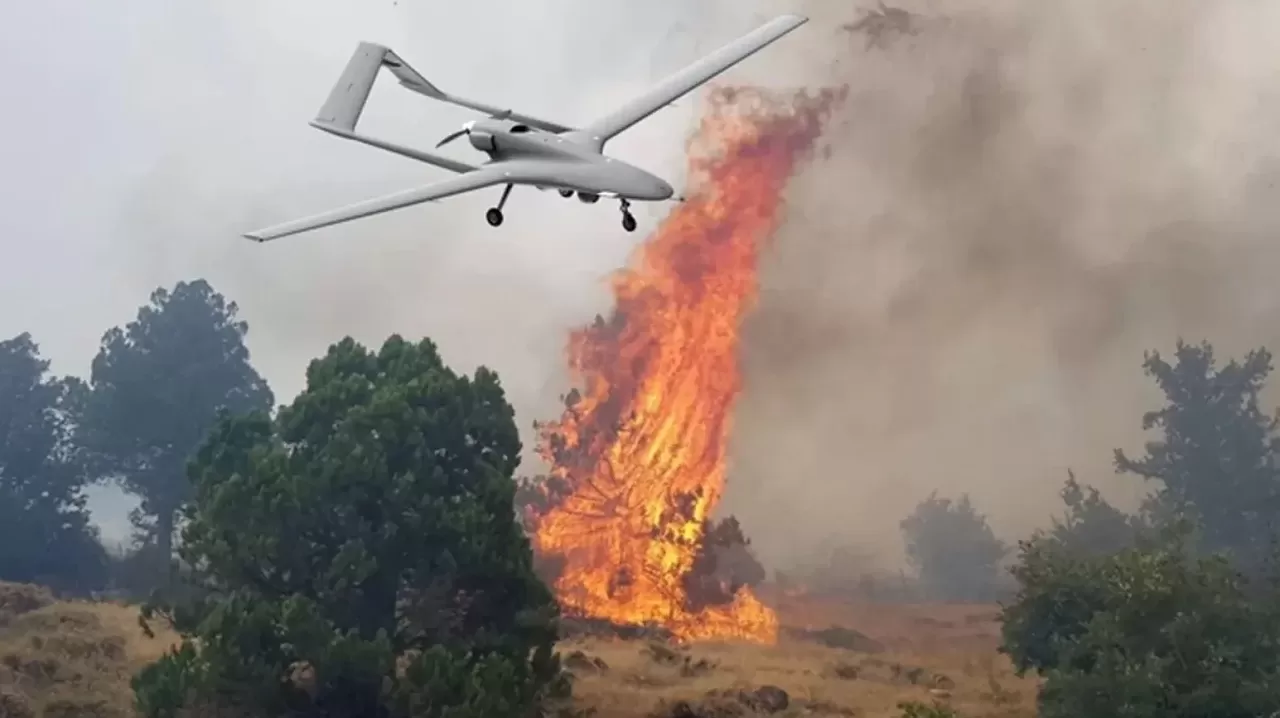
(1020, 199)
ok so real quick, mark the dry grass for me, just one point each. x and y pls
(933, 653)
(69, 660)
(65, 660)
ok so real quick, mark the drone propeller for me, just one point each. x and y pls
(466, 129)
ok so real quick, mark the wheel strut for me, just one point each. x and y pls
(628, 221)
(494, 215)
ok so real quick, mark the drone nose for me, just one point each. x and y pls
(644, 186)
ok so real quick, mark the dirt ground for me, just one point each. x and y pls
(65, 660)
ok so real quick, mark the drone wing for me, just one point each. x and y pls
(688, 79)
(461, 184)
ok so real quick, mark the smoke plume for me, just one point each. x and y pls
(1019, 199)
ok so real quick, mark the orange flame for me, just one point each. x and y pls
(642, 447)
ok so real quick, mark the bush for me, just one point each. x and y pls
(954, 550)
(916, 709)
(723, 565)
(1148, 631)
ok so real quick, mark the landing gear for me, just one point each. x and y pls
(628, 221)
(494, 215)
(566, 193)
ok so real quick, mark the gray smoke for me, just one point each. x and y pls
(1019, 199)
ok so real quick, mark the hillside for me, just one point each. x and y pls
(72, 659)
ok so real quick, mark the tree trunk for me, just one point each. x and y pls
(164, 546)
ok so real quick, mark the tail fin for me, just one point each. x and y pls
(348, 97)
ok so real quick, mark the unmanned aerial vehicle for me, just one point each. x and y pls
(522, 150)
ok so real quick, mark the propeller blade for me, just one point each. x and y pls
(451, 137)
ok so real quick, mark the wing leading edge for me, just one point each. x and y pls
(461, 184)
(690, 78)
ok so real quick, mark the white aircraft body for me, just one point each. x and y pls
(522, 150)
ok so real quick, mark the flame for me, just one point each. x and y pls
(641, 447)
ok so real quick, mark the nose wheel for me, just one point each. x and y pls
(494, 215)
(628, 220)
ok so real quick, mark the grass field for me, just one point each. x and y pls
(74, 660)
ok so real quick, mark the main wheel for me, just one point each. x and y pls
(493, 217)
(628, 222)
(566, 193)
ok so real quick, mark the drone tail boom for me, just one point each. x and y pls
(410, 152)
(341, 111)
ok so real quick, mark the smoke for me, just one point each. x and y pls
(1019, 199)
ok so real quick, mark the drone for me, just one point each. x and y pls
(522, 150)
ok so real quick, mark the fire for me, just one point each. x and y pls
(640, 452)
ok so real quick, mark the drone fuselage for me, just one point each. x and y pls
(561, 161)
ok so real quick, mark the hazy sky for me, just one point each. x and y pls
(143, 137)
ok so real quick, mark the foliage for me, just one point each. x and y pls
(158, 384)
(1151, 630)
(916, 709)
(45, 534)
(1091, 526)
(1215, 458)
(537, 495)
(953, 548)
(363, 553)
(722, 566)
(134, 571)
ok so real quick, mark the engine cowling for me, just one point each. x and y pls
(482, 141)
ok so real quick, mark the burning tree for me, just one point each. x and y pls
(639, 456)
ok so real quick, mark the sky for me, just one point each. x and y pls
(152, 133)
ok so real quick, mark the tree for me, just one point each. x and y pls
(1150, 631)
(1179, 623)
(1215, 458)
(45, 534)
(157, 386)
(1091, 526)
(723, 565)
(362, 553)
(953, 548)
